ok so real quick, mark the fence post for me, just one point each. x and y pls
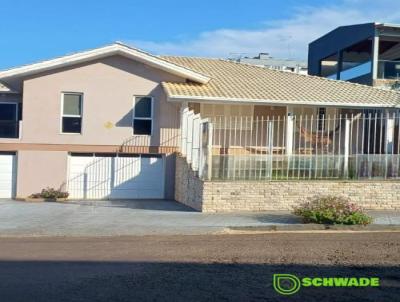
(389, 141)
(346, 148)
(189, 137)
(201, 149)
(196, 142)
(289, 134)
(206, 140)
(209, 150)
(270, 146)
(389, 134)
(184, 131)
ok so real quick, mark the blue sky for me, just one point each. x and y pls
(35, 30)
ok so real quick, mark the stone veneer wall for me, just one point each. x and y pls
(188, 187)
(229, 196)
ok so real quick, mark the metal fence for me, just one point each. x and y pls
(196, 142)
(344, 146)
(352, 146)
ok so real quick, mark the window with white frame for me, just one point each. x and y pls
(71, 119)
(143, 115)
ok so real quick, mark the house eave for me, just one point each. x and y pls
(243, 101)
(114, 49)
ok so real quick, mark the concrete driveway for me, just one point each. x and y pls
(107, 218)
(144, 217)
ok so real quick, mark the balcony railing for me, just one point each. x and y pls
(389, 70)
(10, 129)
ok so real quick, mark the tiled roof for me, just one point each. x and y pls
(231, 81)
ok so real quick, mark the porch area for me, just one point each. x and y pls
(291, 143)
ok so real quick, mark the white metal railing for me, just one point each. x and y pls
(196, 142)
(352, 146)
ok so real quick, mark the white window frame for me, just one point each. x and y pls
(151, 118)
(70, 115)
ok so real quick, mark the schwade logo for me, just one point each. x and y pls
(287, 284)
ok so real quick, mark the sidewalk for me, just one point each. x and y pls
(146, 217)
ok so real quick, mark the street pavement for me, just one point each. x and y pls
(196, 268)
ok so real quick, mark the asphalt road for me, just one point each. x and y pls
(196, 268)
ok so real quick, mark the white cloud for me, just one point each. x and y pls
(284, 38)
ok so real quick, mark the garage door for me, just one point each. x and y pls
(112, 177)
(7, 175)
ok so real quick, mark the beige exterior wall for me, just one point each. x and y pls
(108, 86)
(230, 196)
(39, 169)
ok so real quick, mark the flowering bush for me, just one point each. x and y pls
(50, 193)
(332, 210)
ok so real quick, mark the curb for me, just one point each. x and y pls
(317, 228)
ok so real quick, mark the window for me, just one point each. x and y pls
(329, 67)
(143, 115)
(9, 120)
(356, 60)
(71, 113)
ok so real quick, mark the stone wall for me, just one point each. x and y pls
(279, 195)
(229, 196)
(188, 187)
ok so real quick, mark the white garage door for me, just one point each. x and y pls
(7, 176)
(127, 177)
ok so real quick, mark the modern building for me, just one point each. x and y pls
(363, 53)
(266, 60)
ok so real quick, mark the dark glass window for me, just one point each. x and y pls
(142, 119)
(329, 67)
(8, 112)
(321, 118)
(71, 124)
(143, 107)
(8, 120)
(142, 127)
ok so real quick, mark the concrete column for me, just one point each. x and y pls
(390, 124)
(375, 57)
(289, 131)
(183, 129)
(346, 148)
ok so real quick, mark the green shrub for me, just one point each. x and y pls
(332, 210)
(50, 193)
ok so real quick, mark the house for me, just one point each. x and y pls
(266, 60)
(119, 123)
(363, 53)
